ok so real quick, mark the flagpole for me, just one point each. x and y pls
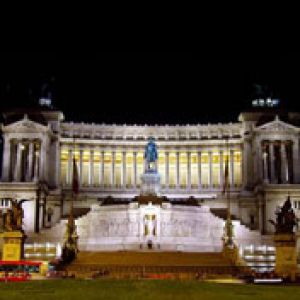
(228, 233)
(73, 194)
(228, 185)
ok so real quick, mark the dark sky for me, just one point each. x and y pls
(148, 87)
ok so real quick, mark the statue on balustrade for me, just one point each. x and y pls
(151, 155)
(14, 216)
(286, 219)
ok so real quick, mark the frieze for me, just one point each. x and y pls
(142, 132)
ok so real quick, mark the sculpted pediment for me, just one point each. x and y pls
(25, 126)
(277, 126)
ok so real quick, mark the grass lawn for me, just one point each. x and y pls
(141, 290)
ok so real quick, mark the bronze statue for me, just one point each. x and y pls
(286, 219)
(151, 154)
(13, 217)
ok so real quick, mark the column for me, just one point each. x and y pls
(113, 160)
(177, 169)
(58, 163)
(91, 169)
(221, 169)
(69, 170)
(167, 180)
(101, 168)
(296, 160)
(42, 165)
(210, 170)
(272, 162)
(284, 163)
(18, 162)
(6, 159)
(247, 164)
(30, 162)
(232, 168)
(265, 165)
(124, 169)
(81, 166)
(134, 169)
(199, 171)
(189, 175)
(37, 163)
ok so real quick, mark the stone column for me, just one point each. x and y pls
(113, 167)
(58, 163)
(272, 163)
(296, 162)
(232, 168)
(37, 165)
(199, 171)
(259, 162)
(247, 164)
(91, 169)
(30, 162)
(265, 166)
(177, 169)
(189, 171)
(42, 167)
(210, 179)
(134, 169)
(221, 168)
(69, 170)
(167, 178)
(101, 168)
(284, 163)
(124, 169)
(17, 173)
(81, 166)
(6, 159)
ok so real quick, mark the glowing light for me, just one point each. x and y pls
(269, 102)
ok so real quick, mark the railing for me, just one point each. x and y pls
(143, 269)
(170, 188)
(259, 258)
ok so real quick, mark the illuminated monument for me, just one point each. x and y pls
(185, 169)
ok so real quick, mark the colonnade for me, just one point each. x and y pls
(182, 168)
(23, 160)
(278, 159)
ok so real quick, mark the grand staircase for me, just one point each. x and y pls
(243, 235)
(122, 264)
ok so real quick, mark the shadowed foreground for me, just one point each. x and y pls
(141, 289)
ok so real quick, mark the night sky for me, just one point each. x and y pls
(148, 87)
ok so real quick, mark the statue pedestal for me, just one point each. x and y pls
(232, 254)
(150, 183)
(13, 246)
(286, 255)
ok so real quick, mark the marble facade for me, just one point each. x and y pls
(263, 161)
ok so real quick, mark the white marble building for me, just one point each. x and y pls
(38, 147)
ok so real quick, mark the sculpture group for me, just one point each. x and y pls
(13, 217)
(286, 219)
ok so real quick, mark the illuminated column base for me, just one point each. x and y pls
(150, 183)
(13, 247)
